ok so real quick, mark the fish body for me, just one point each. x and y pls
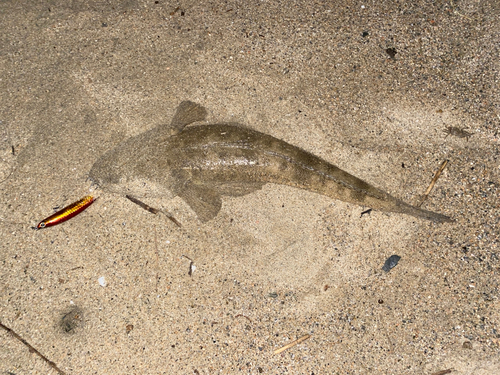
(201, 163)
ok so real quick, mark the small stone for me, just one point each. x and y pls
(391, 262)
(71, 320)
(467, 345)
(391, 52)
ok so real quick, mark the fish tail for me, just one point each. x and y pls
(423, 214)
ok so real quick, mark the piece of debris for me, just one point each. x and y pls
(142, 204)
(102, 281)
(443, 372)
(293, 343)
(391, 262)
(71, 320)
(153, 210)
(192, 267)
(32, 349)
(250, 320)
(467, 345)
(391, 52)
(433, 182)
(457, 132)
(173, 219)
(129, 328)
(368, 211)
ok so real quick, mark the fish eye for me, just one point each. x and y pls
(41, 225)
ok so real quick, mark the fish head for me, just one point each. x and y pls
(109, 171)
(129, 169)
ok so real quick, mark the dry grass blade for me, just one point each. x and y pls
(32, 349)
(433, 182)
(153, 210)
(292, 344)
(142, 204)
(443, 372)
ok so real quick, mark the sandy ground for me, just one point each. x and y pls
(368, 86)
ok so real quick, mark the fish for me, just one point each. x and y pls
(66, 213)
(200, 163)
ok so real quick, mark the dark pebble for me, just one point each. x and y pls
(71, 320)
(391, 262)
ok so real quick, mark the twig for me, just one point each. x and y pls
(153, 210)
(250, 320)
(433, 182)
(6, 178)
(443, 372)
(368, 211)
(157, 260)
(173, 219)
(388, 339)
(293, 343)
(143, 205)
(32, 349)
(191, 265)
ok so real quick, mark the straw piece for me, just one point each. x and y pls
(293, 343)
(433, 182)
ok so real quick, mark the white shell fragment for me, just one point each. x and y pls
(102, 281)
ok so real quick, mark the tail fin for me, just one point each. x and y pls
(424, 214)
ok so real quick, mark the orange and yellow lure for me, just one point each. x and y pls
(66, 213)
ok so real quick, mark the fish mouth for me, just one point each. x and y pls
(94, 184)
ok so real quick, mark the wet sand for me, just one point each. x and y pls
(368, 87)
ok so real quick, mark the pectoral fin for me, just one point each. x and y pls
(205, 202)
(187, 113)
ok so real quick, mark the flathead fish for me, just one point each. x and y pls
(201, 163)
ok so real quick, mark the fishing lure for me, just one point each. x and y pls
(66, 213)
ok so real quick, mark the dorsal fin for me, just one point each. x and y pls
(187, 113)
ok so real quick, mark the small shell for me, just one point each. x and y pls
(457, 132)
(102, 281)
